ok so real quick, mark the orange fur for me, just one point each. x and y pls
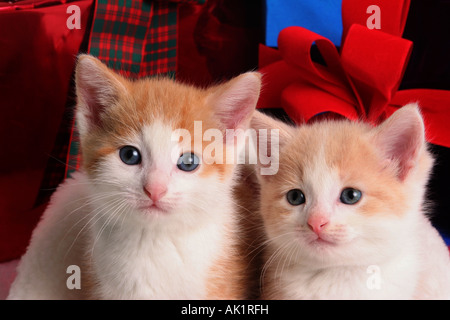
(347, 148)
(141, 102)
(232, 278)
(389, 164)
(146, 100)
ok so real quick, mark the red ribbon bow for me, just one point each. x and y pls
(360, 82)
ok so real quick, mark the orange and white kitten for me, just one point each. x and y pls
(135, 222)
(344, 215)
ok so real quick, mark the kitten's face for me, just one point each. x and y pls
(139, 164)
(337, 199)
(142, 169)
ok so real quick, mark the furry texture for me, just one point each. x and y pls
(381, 247)
(150, 230)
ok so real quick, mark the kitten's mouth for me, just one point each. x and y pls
(321, 241)
(154, 207)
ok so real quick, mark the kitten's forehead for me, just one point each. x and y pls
(334, 144)
(327, 150)
(162, 99)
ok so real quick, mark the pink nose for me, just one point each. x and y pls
(317, 223)
(155, 191)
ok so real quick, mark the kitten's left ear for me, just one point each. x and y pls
(234, 101)
(402, 138)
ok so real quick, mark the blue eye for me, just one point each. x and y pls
(130, 155)
(188, 162)
(295, 197)
(350, 196)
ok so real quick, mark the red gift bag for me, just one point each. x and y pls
(39, 41)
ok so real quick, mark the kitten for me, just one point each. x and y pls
(344, 215)
(147, 217)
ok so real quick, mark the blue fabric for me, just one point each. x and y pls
(446, 239)
(444, 234)
(320, 16)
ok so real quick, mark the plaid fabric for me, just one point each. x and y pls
(135, 38)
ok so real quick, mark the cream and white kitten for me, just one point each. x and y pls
(344, 215)
(134, 223)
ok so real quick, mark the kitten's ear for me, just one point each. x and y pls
(402, 138)
(235, 100)
(271, 135)
(97, 88)
(261, 122)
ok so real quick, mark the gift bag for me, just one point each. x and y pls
(39, 41)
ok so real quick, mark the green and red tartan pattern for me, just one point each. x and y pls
(135, 38)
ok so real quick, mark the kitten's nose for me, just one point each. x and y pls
(155, 191)
(317, 222)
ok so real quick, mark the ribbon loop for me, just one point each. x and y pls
(294, 44)
(295, 51)
(376, 62)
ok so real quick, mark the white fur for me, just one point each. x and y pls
(410, 258)
(42, 270)
(409, 253)
(133, 254)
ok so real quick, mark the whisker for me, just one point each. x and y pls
(112, 215)
(280, 249)
(125, 207)
(285, 256)
(101, 209)
(89, 201)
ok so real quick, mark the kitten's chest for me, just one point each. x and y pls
(158, 266)
(317, 284)
(380, 281)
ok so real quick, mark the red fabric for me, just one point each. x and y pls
(393, 15)
(218, 40)
(191, 65)
(359, 82)
(36, 66)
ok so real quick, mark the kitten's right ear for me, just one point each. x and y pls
(97, 88)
